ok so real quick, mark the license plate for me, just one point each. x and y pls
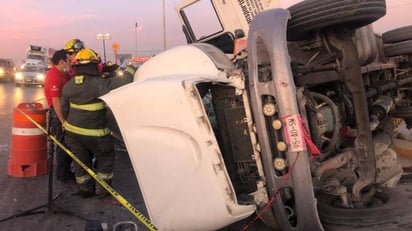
(294, 133)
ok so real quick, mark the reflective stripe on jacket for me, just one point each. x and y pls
(85, 131)
(88, 107)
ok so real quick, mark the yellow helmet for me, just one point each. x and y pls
(85, 56)
(74, 45)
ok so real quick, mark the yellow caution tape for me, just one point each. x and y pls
(145, 221)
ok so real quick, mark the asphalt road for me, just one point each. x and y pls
(65, 212)
(71, 213)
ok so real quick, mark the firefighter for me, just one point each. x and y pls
(87, 134)
(75, 45)
(72, 47)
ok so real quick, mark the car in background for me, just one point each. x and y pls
(135, 61)
(30, 75)
(7, 69)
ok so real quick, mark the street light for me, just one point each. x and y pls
(103, 37)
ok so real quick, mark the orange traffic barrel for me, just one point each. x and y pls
(28, 148)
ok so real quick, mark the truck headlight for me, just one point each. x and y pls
(40, 77)
(19, 75)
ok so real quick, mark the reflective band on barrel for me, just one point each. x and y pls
(88, 107)
(26, 131)
(85, 131)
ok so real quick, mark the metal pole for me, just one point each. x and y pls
(135, 30)
(104, 50)
(50, 159)
(103, 37)
(164, 26)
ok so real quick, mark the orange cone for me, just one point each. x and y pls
(28, 151)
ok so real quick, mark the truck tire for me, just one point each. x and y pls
(402, 48)
(311, 15)
(387, 205)
(397, 35)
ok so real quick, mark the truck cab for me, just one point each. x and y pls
(36, 56)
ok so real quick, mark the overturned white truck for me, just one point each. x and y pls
(286, 113)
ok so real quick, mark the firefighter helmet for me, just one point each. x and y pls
(85, 56)
(74, 45)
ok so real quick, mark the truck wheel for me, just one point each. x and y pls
(311, 15)
(384, 208)
(397, 35)
(402, 48)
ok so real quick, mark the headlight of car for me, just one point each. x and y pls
(19, 75)
(40, 77)
(119, 73)
(1, 71)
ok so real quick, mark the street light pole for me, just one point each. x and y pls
(103, 37)
(135, 32)
(164, 25)
(104, 50)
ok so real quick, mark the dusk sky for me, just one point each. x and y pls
(51, 23)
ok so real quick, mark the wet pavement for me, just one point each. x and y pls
(26, 202)
(64, 211)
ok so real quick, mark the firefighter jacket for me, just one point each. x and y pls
(85, 113)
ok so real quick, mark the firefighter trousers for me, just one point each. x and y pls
(86, 148)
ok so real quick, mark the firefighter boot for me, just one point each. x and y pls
(102, 192)
(86, 187)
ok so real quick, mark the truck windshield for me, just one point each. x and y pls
(38, 57)
(32, 69)
(197, 14)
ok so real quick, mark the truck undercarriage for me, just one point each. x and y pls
(348, 120)
(330, 87)
(304, 119)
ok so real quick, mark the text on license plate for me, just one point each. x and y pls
(294, 133)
